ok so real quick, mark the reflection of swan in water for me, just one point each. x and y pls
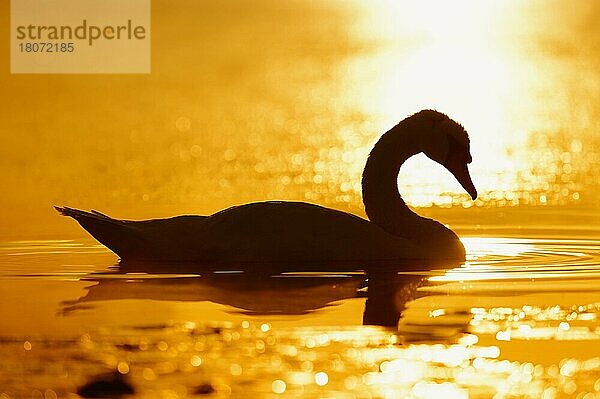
(301, 232)
(257, 296)
(267, 295)
(279, 295)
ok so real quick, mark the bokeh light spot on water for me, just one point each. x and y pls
(278, 386)
(123, 367)
(148, 374)
(50, 394)
(196, 361)
(183, 124)
(321, 378)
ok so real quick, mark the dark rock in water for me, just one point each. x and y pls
(204, 389)
(106, 386)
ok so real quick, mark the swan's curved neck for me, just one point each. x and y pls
(383, 204)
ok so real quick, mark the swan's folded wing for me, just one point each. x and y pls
(295, 231)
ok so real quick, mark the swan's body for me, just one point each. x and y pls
(297, 232)
(259, 232)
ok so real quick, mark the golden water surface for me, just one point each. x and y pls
(251, 101)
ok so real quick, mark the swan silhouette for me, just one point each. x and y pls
(300, 233)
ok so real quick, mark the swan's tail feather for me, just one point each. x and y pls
(121, 237)
(79, 214)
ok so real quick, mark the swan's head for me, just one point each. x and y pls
(446, 142)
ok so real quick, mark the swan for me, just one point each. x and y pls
(286, 232)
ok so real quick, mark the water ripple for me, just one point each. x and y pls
(519, 258)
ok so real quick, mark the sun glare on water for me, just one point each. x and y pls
(456, 57)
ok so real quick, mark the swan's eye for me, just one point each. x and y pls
(458, 151)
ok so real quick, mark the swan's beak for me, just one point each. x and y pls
(464, 178)
(459, 168)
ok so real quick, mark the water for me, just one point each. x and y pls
(518, 319)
